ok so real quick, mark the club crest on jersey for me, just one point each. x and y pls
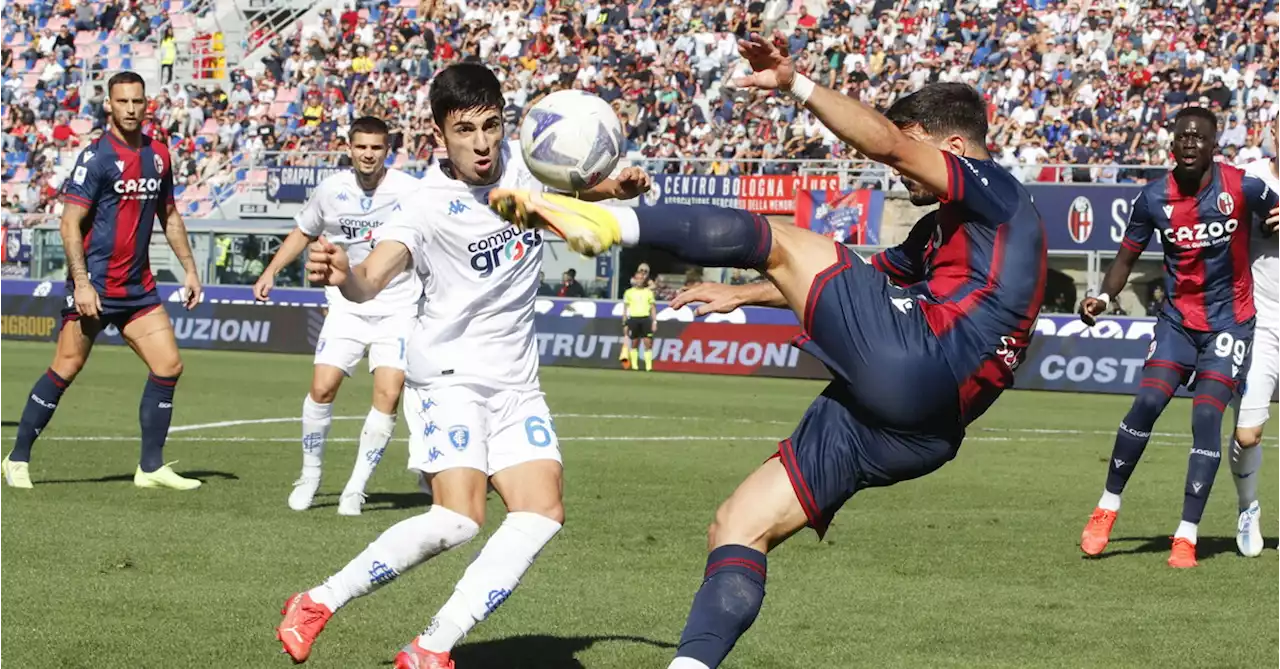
(1226, 203)
(1080, 219)
(459, 436)
(366, 203)
(159, 162)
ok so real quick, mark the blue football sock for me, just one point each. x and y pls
(707, 235)
(154, 414)
(1214, 394)
(1131, 439)
(41, 403)
(726, 604)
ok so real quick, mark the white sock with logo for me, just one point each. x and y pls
(378, 428)
(316, 419)
(1245, 463)
(400, 548)
(1110, 501)
(490, 579)
(1186, 531)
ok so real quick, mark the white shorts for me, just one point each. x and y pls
(488, 430)
(1254, 406)
(345, 336)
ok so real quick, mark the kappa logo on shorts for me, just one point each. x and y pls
(459, 436)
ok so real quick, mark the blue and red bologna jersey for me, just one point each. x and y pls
(1206, 236)
(978, 266)
(123, 189)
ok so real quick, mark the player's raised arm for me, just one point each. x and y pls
(1137, 234)
(88, 302)
(856, 124)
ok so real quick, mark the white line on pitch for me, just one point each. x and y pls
(682, 438)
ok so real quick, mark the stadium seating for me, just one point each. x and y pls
(668, 65)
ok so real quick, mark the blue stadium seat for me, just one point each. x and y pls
(178, 190)
(126, 49)
(126, 63)
(103, 50)
(241, 174)
(192, 206)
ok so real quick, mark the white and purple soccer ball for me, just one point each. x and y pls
(571, 140)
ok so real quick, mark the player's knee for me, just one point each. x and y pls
(1147, 405)
(323, 393)
(385, 399)
(1205, 412)
(171, 369)
(732, 525)
(1248, 437)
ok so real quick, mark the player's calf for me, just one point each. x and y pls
(1246, 462)
(1213, 394)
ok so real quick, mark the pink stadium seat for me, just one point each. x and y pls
(181, 21)
(114, 64)
(86, 50)
(143, 50)
(256, 177)
(210, 127)
(21, 175)
(29, 82)
(286, 95)
(81, 126)
(278, 109)
(86, 37)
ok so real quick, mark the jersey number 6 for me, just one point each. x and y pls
(535, 428)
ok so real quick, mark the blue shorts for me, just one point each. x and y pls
(117, 312)
(1196, 355)
(891, 414)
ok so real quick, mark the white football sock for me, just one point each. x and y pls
(490, 579)
(377, 431)
(402, 547)
(686, 663)
(1110, 501)
(1186, 531)
(1245, 463)
(628, 223)
(316, 419)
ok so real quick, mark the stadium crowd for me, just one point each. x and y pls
(1069, 82)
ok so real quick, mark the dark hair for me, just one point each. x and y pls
(940, 109)
(126, 77)
(369, 125)
(1200, 113)
(463, 87)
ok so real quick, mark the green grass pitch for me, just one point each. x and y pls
(976, 565)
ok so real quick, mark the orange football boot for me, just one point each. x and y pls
(1097, 532)
(304, 619)
(414, 656)
(1183, 555)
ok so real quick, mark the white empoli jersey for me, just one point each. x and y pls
(346, 215)
(481, 276)
(1265, 254)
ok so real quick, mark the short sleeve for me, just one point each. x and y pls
(311, 218)
(81, 186)
(1141, 226)
(407, 225)
(985, 189)
(1260, 197)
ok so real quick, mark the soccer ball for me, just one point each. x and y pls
(571, 140)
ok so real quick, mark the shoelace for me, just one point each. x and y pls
(363, 496)
(305, 481)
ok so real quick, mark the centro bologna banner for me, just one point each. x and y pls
(1064, 354)
(762, 194)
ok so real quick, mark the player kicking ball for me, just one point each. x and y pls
(119, 186)
(969, 283)
(1254, 408)
(1205, 213)
(473, 400)
(346, 209)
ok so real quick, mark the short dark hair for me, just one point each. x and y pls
(462, 87)
(125, 77)
(369, 125)
(940, 109)
(1200, 113)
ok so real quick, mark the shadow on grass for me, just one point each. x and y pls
(202, 474)
(1206, 547)
(379, 501)
(537, 651)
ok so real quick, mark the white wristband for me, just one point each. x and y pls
(1104, 298)
(801, 88)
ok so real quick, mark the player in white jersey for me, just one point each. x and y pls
(1254, 407)
(473, 400)
(346, 209)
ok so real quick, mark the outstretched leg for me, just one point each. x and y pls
(379, 425)
(75, 341)
(792, 258)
